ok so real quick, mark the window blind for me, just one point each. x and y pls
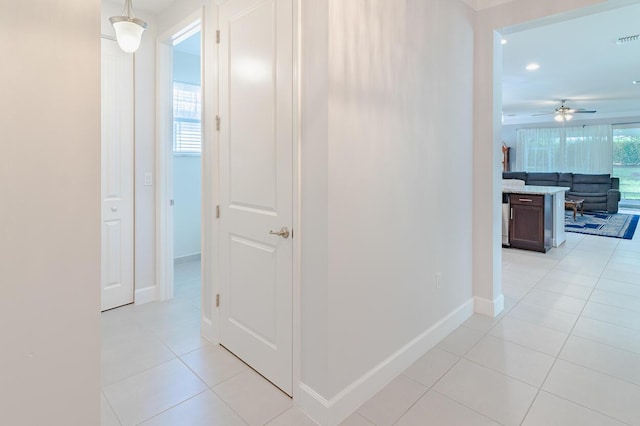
(187, 109)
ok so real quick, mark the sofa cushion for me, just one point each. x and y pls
(591, 183)
(565, 179)
(514, 175)
(589, 197)
(542, 179)
(594, 201)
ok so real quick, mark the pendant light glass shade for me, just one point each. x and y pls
(128, 29)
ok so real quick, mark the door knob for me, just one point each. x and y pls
(283, 232)
(114, 208)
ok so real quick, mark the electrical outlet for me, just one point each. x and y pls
(438, 279)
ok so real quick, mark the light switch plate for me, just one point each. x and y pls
(148, 179)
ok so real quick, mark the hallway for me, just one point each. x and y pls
(157, 370)
(565, 350)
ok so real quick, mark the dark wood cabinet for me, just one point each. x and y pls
(530, 222)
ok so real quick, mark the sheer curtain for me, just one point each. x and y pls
(585, 149)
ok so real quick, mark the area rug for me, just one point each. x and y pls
(607, 225)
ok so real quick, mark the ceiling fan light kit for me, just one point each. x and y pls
(128, 28)
(564, 113)
(560, 117)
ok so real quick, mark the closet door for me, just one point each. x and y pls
(117, 176)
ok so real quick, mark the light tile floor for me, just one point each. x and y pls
(565, 351)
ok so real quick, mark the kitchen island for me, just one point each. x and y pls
(535, 217)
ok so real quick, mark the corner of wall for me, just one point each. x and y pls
(333, 411)
(145, 295)
(488, 307)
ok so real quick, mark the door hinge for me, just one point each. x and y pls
(217, 212)
(217, 300)
(217, 122)
(218, 36)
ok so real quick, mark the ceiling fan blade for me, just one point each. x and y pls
(583, 111)
(543, 113)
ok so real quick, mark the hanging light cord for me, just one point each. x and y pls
(128, 8)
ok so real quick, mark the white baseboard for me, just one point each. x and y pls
(489, 307)
(209, 331)
(145, 295)
(332, 412)
(186, 259)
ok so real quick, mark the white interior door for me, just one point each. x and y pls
(117, 176)
(256, 142)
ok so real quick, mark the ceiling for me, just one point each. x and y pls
(154, 6)
(579, 61)
(578, 57)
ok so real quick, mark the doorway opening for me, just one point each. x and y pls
(179, 161)
(187, 163)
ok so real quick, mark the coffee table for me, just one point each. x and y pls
(574, 204)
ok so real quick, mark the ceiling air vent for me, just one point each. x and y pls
(628, 39)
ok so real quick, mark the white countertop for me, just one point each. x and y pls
(536, 190)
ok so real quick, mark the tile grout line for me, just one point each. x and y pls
(554, 361)
(470, 408)
(606, 344)
(210, 388)
(460, 357)
(111, 407)
(171, 407)
(138, 373)
(227, 404)
(586, 407)
(562, 348)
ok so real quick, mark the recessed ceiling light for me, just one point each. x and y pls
(533, 67)
(503, 41)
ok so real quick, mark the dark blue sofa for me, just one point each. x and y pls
(600, 192)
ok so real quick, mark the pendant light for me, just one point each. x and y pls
(128, 28)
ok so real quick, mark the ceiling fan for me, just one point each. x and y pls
(564, 113)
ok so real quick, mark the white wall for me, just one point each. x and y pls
(187, 185)
(50, 214)
(394, 221)
(314, 199)
(145, 113)
(186, 192)
(186, 67)
(386, 186)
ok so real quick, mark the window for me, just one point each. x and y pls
(187, 129)
(584, 149)
(626, 159)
